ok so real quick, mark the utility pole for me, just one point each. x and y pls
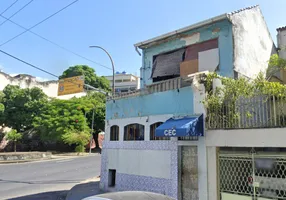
(91, 136)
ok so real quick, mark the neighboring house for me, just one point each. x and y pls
(281, 43)
(155, 139)
(124, 82)
(50, 88)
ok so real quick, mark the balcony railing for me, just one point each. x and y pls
(254, 112)
(170, 84)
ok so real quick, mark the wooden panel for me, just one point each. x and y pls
(193, 50)
(188, 67)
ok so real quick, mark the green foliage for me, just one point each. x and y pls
(20, 106)
(224, 99)
(59, 117)
(89, 74)
(51, 120)
(13, 135)
(275, 65)
(96, 101)
(81, 139)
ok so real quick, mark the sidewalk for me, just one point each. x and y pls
(85, 189)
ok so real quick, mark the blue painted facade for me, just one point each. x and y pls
(225, 44)
(172, 101)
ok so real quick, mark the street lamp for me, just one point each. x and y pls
(113, 80)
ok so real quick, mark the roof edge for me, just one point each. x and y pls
(181, 30)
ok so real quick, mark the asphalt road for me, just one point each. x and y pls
(47, 179)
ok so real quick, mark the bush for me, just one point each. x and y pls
(80, 139)
(14, 136)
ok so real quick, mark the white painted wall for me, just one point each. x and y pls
(212, 168)
(252, 42)
(268, 137)
(146, 121)
(154, 163)
(208, 60)
(199, 95)
(50, 88)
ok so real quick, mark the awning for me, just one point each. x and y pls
(187, 126)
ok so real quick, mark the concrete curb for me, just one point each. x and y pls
(21, 156)
(52, 158)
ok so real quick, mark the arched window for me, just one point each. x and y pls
(153, 130)
(134, 132)
(114, 133)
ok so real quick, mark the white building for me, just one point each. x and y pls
(50, 88)
(124, 82)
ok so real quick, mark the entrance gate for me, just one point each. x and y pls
(252, 175)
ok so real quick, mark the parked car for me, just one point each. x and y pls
(129, 195)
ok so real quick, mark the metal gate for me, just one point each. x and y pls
(252, 175)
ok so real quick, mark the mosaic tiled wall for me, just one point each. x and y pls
(189, 177)
(143, 183)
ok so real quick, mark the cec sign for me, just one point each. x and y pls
(71, 85)
(170, 132)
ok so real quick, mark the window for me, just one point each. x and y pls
(133, 132)
(152, 132)
(114, 133)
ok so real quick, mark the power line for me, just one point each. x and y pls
(16, 12)
(64, 48)
(9, 6)
(38, 68)
(58, 45)
(45, 71)
(40, 22)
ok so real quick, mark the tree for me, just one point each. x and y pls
(20, 106)
(14, 136)
(58, 117)
(81, 139)
(2, 107)
(62, 120)
(275, 64)
(89, 75)
(97, 101)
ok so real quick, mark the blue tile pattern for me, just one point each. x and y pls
(144, 183)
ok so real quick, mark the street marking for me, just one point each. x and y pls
(67, 160)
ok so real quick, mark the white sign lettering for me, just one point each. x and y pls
(170, 132)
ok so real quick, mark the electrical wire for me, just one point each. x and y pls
(64, 48)
(38, 68)
(16, 12)
(9, 6)
(37, 24)
(45, 71)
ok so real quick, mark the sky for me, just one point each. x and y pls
(113, 24)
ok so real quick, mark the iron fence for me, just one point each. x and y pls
(254, 112)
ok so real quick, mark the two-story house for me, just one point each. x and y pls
(156, 137)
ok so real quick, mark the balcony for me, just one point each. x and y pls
(255, 112)
(162, 86)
